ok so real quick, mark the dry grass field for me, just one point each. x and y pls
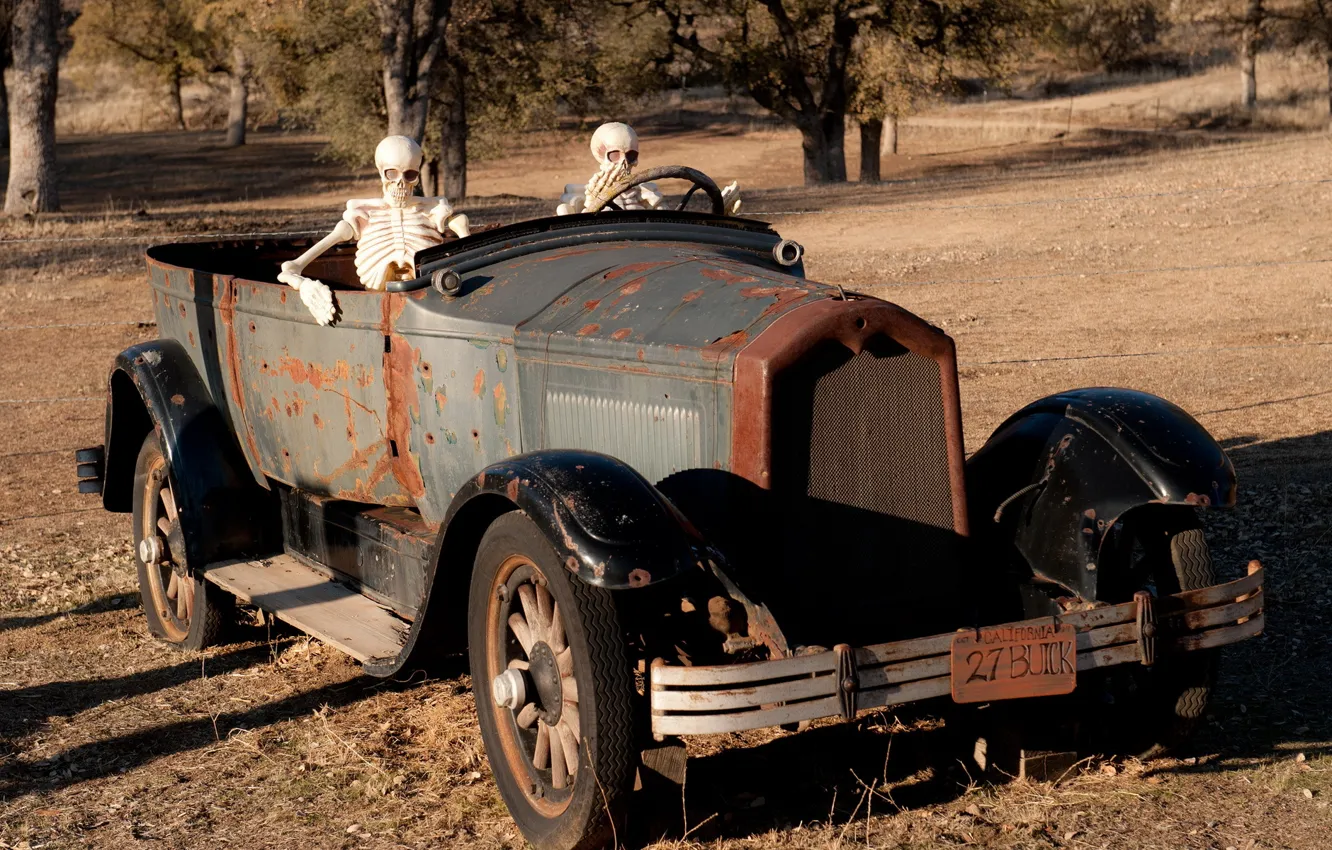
(1187, 262)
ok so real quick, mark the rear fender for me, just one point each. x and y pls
(154, 386)
(1056, 478)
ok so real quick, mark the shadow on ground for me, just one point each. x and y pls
(96, 606)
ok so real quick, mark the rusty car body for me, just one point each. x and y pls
(764, 473)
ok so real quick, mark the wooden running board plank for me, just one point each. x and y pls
(313, 603)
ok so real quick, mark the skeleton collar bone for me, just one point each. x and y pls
(389, 230)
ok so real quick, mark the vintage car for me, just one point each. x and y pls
(657, 483)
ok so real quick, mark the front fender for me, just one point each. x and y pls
(155, 386)
(609, 526)
(1085, 458)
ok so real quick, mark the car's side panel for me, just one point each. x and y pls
(314, 396)
(455, 400)
(194, 308)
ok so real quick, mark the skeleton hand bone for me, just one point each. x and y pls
(731, 198)
(316, 296)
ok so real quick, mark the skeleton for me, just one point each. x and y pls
(388, 230)
(615, 147)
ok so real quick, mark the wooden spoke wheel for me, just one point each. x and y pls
(553, 688)
(182, 609)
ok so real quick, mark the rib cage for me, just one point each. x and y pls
(390, 238)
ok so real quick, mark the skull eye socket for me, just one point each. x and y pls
(616, 156)
(632, 156)
(410, 176)
(391, 173)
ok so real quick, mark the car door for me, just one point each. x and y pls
(313, 396)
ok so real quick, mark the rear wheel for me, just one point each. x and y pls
(1144, 711)
(181, 607)
(554, 689)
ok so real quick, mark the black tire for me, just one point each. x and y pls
(1148, 711)
(518, 572)
(182, 609)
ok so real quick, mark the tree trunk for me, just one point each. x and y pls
(871, 132)
(239, 106)
(411, 43)
(406, 113)
(32, 152)
(4, 107)
(175, 101)
(889, 145)
(824, 145)
(1329, 88)
(1253, 19)
(453, 136)
(430, 177)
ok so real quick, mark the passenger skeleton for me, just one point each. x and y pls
(615, 147)
(388, 230)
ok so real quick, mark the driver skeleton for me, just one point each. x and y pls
(388, 230)
(615, 147)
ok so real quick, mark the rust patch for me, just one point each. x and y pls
(318, 423)
(429, 438)
(440, 400)
(178, 400)
(227, 312)
(781, 295)
(716, 351)
(639, 577)
(501, 402)
(641, 356)
(692, 295)
(725, 276)
(591, 305)
(622, 333)
(191, 337)
(1198, 499)
(283, 297)
(404, 406)
(511, 489)
(631, 287)
(588, 329)
(479, 383)
(635, 268)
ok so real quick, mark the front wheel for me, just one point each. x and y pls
(182, 608)
(1148, 710)
(554, 689)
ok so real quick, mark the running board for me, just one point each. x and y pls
(313, 603)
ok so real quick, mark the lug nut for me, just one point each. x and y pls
(150, 549)
(510, 689)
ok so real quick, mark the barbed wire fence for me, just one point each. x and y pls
(859, 210)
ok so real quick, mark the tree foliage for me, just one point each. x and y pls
(797, 58)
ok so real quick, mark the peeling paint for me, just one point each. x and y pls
(479, 383)
(501, 404)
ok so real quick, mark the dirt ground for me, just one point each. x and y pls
(1189, 263)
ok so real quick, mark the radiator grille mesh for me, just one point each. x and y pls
(862, 541)
(877, 439)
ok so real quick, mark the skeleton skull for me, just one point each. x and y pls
(615, 146)
(398, 159)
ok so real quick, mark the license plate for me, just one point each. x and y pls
(1010, 662)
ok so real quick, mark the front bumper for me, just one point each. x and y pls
(846, 680)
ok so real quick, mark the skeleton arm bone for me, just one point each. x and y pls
(442, 216)
(316, 296)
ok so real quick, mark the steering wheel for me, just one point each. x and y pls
(661, 172)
